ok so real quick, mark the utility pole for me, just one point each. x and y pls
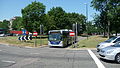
(40, 29)
(76, 31)
(40, 34)
(108, 20)
(73, 27)
(73, 38)
(87, 18)
(108, 29)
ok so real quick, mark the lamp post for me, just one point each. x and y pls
(86, 18)
(108, 29)
(76, 32)
(108, 19)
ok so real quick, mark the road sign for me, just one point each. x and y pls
(25, 38)
(35, 33)
(24, 32)
(72, 33)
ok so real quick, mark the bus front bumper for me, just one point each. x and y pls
(60, 44)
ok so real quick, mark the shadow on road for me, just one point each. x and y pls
(108, 61)
(61, 47)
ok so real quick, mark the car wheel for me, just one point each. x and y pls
(117, 58)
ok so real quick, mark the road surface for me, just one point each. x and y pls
(45, 57)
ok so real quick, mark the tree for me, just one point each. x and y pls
(97, 23)
(114, 14)
(17, 23)
(91, 28)
(33, 16)
(101, 22)
(109, 13)
(58, 15)
(49, 23)
(74, 18)
(5, 24)
(60, 18)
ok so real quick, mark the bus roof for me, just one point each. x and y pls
(60, 30)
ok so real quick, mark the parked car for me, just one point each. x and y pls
(108, 42)
(2, 35)
(111, 52)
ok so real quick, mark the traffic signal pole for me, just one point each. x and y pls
(76, 32)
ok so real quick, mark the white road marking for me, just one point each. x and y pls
(7, 45)
(35, 53)
(28, 47)
(24, 62)
(97, 61)
(6, 61)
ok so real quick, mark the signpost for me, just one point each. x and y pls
(72, 34)
(25, 38)
(41, 32)
(35, 34)
(24, 32)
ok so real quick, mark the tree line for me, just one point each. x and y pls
(108, 21)
(33, 15)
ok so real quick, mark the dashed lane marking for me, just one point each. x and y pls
(24, 62)
(97, 61)
(6, 61)
(35, 53)
(28, 47)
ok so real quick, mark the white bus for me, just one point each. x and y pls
(60, 38)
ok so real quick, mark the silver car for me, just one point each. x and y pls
(111, 52)
(108, 42)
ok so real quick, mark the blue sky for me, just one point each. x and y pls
(11, 8)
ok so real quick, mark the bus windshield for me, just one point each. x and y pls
(55, 36)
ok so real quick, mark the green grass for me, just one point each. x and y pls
(91, 42)
(13, 40)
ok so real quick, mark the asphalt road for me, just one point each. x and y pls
(16, 57)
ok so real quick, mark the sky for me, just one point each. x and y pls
(11, 8)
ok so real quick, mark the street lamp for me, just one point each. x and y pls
(108, 21)
(108, 29)
(74, 27)
(86, 18)
(76, 31)
(86, 11)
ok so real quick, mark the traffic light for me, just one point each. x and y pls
(80, 28)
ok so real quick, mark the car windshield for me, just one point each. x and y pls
(111, 39)
(55, 36)
(117, 45)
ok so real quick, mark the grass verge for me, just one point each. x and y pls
(13, 40)
(91, 42)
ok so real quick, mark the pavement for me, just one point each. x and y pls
(45, 57)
